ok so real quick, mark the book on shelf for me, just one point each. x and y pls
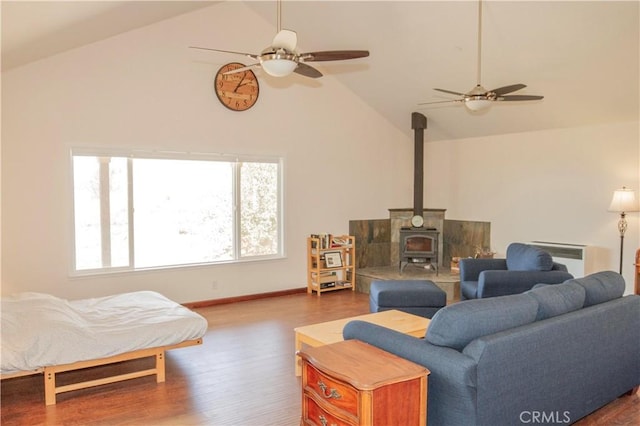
(340, 241)
(324, 240)
(324, 277)
(327, 241)
(327, 285)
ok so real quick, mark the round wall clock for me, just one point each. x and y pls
(237, 91)
(417, 221)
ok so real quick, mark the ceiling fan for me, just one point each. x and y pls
(281, 59)
(479, 98)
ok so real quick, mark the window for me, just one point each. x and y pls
(145, 211)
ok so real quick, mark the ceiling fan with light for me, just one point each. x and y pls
(479, 98)
(281, 59)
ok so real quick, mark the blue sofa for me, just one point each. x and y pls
(524, 267)
(550, 355)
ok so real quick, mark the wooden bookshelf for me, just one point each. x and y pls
(331, 263)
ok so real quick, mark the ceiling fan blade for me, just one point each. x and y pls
(250, 55)
(241, 69)
(508, 89)
(334, 55)
(285, 39)
(440, 102)
(520, 98)
(450, 92)
(307, 71)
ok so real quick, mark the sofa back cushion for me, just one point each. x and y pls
(523, 257)
(455, 326)
(600, 287)
(557, 299)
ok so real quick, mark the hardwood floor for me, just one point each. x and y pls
(242, 375)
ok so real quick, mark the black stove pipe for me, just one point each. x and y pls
(418, 124)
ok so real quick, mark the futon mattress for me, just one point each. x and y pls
(40, 330)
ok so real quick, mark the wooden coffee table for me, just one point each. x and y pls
(328, 332)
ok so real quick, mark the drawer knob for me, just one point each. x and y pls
(332, 392)
(324, 422)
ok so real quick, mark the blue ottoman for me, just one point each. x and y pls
(418, 297)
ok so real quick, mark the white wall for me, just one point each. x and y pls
(146, 89)
(553, 185)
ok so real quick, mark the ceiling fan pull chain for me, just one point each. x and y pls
(479, 41)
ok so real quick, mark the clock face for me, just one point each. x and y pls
(417, 221)
(237, 91)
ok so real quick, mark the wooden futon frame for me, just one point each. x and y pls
(51, 390)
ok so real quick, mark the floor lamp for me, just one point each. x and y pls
(623, 202)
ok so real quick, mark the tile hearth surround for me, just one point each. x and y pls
(378, 251)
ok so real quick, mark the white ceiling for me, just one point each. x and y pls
(583, 56)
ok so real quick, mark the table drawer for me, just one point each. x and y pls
(315, 415)
(335, 393)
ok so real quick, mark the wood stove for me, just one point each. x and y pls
(419, 246)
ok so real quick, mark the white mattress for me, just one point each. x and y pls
(40, 330)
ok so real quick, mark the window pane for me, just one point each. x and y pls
(259, 209)
(100, 244)
(86, 197)
(183, 212)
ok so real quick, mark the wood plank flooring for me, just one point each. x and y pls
(242, 375)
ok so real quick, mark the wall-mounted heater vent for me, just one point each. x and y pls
(576, 257)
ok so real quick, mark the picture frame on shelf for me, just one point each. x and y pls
(333, 259)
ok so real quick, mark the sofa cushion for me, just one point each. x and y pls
(600, 287)
(557, 299)
(456, 325)
(523, 257)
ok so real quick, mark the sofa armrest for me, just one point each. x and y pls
(501, 283)
(559, 267)
(470, 268)
(441, 361)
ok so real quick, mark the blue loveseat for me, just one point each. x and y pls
(550, 355)
(524, 267)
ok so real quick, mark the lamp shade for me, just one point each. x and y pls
(624, 200)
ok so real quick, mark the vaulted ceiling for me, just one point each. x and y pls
(583, 56)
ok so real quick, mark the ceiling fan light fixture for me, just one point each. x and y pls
(279, 67)
(278, 64)
(477, 104)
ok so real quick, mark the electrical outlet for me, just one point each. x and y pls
(214, 285)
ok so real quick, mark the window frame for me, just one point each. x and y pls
(131, 154)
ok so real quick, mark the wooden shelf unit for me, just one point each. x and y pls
(331, 263)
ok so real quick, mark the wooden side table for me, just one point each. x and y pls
(354, 383)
